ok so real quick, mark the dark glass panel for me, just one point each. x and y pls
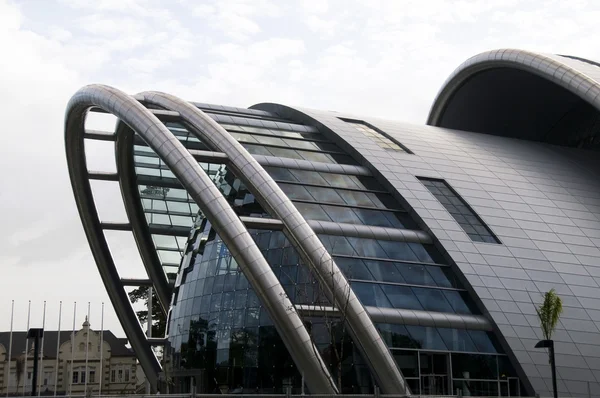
(353, 268)
(416, 274)
(285, 153)
(432, 299)
(337, 245)
(281, 174)
(309, 177)
(257, 150)
(398, 250)
(341, 214)
(474, 366)
(421, 252)
(370, 294)
(377, 218)
(384, 271)
(355, 198)
(428, 337)
(458, 301)
(327, 195)
(367, 247)
(317, 157)
(457, 340)
(408, 362)
(396, 336)
(296, 192)
(482, 341)
(402, 297)
(442, 277)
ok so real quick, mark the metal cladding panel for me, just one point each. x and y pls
(541, 201)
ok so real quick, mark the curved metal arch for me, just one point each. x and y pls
(135, 214)
(214, 206)
(545, 66)
(300, 234)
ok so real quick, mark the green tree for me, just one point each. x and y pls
(158, 316)
(549, 313)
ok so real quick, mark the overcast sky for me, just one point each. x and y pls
(376, 58)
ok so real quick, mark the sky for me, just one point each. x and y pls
(367, 57)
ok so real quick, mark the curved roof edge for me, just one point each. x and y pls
(565, 71)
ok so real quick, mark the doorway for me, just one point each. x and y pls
(434, 373)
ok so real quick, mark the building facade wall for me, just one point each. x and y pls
(542, 202)
(123, 367)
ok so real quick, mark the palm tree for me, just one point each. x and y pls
(549, 313)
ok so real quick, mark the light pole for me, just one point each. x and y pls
(549, 344)
(35, 334)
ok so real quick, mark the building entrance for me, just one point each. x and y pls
(434, 373)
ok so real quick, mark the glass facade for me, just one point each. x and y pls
(464, 215)
(219, 332)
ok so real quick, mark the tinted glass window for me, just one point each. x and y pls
(370, 294)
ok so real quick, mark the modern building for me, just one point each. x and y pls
(72, 369)
(333, 253)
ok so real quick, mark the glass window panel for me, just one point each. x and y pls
(398, 250)
(402, 297)
(257, 150)
(342, 181)
(316, 156)
(474, 366)
(375, 217)
(356, 198)
(421, 252)
(327, 195)
(370, 294)
(285, 153)
(353, 268)
(396, 336)
(367, 247)
(432, 299)
(482, 341)
(296, 192)
(341, 214)
(408, 362)
(463, 214)
(312, 211)
(427, 337)
(457, 301)
(384, 271)
(416, 274)
(281, 174)
(309, 177)
(457, 340)
(442, 277)
(337, 245)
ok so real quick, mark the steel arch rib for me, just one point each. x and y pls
(545, 66)
(135, 214)
(210, 200)
(303, 238)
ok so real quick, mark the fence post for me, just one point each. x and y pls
(376, 391)
(459, 392)
(288, 391)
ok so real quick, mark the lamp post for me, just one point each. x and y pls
(36, 334)
(549, 344)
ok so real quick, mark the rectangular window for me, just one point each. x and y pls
(75, 377)
(120, 373)
(113, 376)
(464, 215)
(92, 376)
(82, 376)
(126, 375)
(385, 141)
